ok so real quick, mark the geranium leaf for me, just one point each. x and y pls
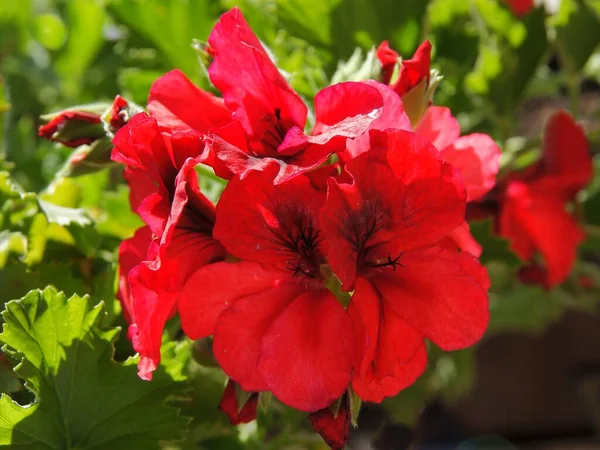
(84, 399)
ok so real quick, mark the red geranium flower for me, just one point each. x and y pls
(382, 232)
(164, 191)
(532, 204)
(273, 310)
(269, 116)
(475, 156)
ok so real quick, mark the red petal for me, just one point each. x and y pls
(274, 225)
(118, 116)
(438, 126)
(251, 85)
(334, 430)
(464, 240)
(440, 293)
(344, 111)
(388, 59)
(242, 326)
(185, 245)
(132, 251)
(520, 7)
(179, 105)
(152, 308)
(477, 159)
(391, 116)
(312, 340)
(391, 354)
(229, 405)
(153, 160)
(565, 155)
(414, 70)
(203, 298)
(539, 222)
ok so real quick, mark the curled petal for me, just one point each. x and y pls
(392, 116)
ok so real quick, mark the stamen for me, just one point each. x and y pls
(389, 263)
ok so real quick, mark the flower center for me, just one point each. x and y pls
(273, 134)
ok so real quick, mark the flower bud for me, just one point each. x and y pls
(119, 114)
(88, 158)
(74, 126)
(239, 405)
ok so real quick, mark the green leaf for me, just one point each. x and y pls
(11, 244)
(524, 307)
(84, 399)
(495, 248)
(577, 33)
(50, 31)
(519, 64)
(85, 20)
(170, 27)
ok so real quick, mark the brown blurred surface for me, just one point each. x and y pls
(538, 387)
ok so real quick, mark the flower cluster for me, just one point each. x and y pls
(333, 255)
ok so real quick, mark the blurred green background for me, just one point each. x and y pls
(55, 54)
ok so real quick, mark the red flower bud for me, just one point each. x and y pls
(72, 127)
(239, 408)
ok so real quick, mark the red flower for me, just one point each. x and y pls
(118, 115)
(475, 156)
(164, 191)
(333, 428)
(152, 161)
(235, 412)
(414, 70)
(388, 59)
(520, 8)
(185, 245)
(532, 206)
(382, 232)
(73, 128)
(273, 309)
(269, 116)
